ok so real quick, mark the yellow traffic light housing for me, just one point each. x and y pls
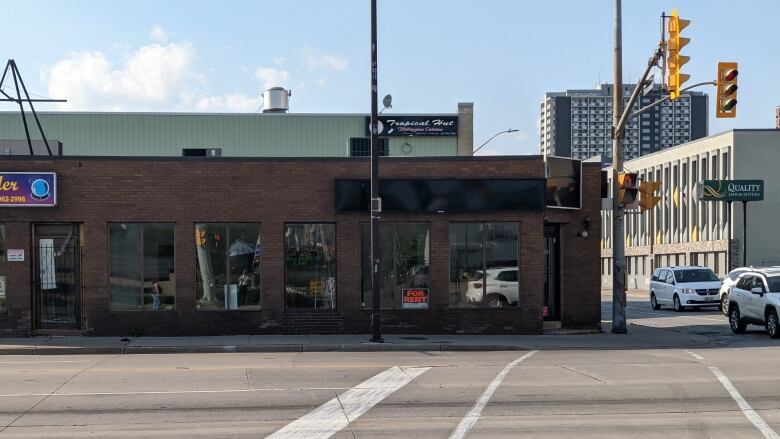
(627, 188)
(674, 59)
(726, 103)
(647, 197)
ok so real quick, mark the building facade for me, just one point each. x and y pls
(577, 123)
(173, 246)
(239, 134)
(682, 230)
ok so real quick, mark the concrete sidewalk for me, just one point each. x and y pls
(639, 337)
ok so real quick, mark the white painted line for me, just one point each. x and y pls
(628, 312)
(331, 417)
(746, 409)
(44, 362)
(696, 356)
(473, 416)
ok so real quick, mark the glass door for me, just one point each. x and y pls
(552, 261)
(57, 276)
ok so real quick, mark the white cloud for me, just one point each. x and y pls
(158, 34)
(272, 77)
(314, 59)
(152, 78)
(281, 60)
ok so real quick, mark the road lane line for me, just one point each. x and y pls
(751, 414)
(696, 356)
(331, 417)
(656, 314)
(473, 416)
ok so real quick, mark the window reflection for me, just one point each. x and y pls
(310, 266)
(141, 267)
(228, 266)
(483, 265)
(404, 269)
(3, 258)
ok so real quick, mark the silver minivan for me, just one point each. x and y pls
(684, 287)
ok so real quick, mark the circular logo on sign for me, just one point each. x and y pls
(40, 189)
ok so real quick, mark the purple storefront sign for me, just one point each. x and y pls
(28, 189)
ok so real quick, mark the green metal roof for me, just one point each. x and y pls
(239, 135)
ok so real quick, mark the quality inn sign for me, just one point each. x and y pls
(731, 190)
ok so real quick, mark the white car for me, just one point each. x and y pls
(684, 287)
(725, 287)
(755, 299)
(499, 285)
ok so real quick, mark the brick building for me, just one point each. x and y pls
(196, 246)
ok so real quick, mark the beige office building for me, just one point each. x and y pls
(682, 230)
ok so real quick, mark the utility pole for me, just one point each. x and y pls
(618, 234)
(376, 202)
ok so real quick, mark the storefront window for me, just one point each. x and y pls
(404, 270)
(141, 266)
(3, 258)
(310, 266)
(228, 266)
(483, 265)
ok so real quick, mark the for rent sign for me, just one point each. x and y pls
(414, 298)
(731, 190)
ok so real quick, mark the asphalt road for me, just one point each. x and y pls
(728, 387)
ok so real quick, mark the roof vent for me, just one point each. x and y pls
(276, 100)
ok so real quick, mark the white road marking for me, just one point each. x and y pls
(696, 356)
(331, 417)
(43, 362)
(473, 416)
(656, 314)
(169, 392)
(746, 409)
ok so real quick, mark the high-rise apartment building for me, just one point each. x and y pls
(577, 123)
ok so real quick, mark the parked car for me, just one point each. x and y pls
(725, 287)
(755, 299)
(684, 287)
(500, 287)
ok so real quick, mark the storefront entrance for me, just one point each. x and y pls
(552, 263)
(57, 276)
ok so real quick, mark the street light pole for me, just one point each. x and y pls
(511, 130)
(376, 202)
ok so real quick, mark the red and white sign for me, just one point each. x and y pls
(414, 298)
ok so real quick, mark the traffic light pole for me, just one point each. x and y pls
(618, 234)
(376, 203)
(619, 118)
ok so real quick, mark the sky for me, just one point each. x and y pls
(502, 55)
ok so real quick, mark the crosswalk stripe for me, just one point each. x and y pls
(748, 411)
(331, 417)
(471, 418)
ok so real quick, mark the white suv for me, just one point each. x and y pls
(755, 299)
(725, 287)
(683, 287)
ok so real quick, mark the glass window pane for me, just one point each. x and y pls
(310, 266)
(403, 266)
(467, 285)
(244, 260)
(501, 260)
(158, 266)
(3, 258)
(125, 283)
(228, 266)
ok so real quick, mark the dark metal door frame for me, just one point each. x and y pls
(56, 271)
(552, 271)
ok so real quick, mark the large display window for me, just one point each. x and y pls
(141, 267)
(483, 265)
(310, 265)
(404, 265)
(228, 266)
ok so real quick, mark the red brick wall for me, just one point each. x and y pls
(96, 191)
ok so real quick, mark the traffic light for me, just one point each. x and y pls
(647, 197)
(675, 61)
(726, 104)
(627, 188)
